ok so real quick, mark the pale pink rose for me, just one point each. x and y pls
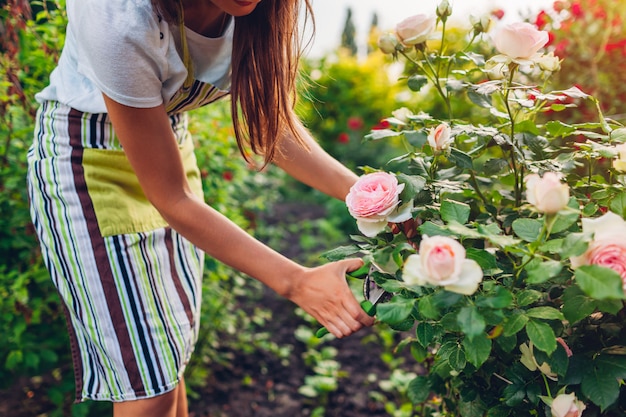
(441, 262)
(548, 194)
(440, 137)
(519, 40)
(416, 29)
(608, 248)
(567, 405)
(373, 201)
(620, 163)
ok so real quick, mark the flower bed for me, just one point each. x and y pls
(501, 236)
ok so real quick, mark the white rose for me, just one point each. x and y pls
(620, 163)
(441, 262)
(549, 62)
(548, 194)
(416, 29)
(567, 405)
(388, 43)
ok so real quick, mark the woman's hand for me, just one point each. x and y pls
(323, 292)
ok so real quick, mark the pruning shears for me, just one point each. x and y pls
(372, 293)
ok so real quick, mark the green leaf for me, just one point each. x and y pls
(546, 313)
(413, 184)
(599, 282)
(419, 389)
(452, 210)
(432, 229)
(507, 343)
(609, 306)
(482, 100)
(575, 244)
(527, 297)
(514, 324)
(427, 308)
(542, 335)
(381, 134)
(495, 166)
(457, 359)
(477, 349)
(395, 311)
(416, 138)
(618, 204)
(340, 253)
(601, 390)
(557, 128)
(527, 229)
(14, 359)
(486, 260)
(565, 221)
(425, 333)
(577, 307)
(471, 321)
(612, 366)
(460, 159)
(472, 408)
(416, 82)
(541, 272)
(500, 297)
(419, 352)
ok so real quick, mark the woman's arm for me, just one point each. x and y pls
(151, 148)
(314, 166)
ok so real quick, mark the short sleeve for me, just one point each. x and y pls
(120, 49)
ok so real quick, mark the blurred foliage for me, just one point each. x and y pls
(590, 38)
(343, 99)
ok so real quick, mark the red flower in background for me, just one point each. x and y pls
(343, 138)
(577, 10)
(542, 19)
(498, 13)
(355, 123)
(228, 175)
(383, 124)
(560, 49)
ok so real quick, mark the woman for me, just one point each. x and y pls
(115, 192)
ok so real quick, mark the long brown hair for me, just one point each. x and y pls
(266, 51)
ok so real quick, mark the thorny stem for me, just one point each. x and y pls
(477, 188)
(432, 75)
(545, 381)
(517, 173)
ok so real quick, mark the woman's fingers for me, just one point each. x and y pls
(324, 293)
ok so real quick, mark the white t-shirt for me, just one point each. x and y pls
(123, 49)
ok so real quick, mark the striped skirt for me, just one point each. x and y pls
(130, 285)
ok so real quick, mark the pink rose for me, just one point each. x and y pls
(519, 40)
(373, 201)
(567, 405)
(416, 29)
(608, 248)
(440, 137)
(548, 194)
(441, 262)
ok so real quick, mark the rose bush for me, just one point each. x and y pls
(508, 278)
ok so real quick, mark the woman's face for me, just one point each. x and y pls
(236, 7)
